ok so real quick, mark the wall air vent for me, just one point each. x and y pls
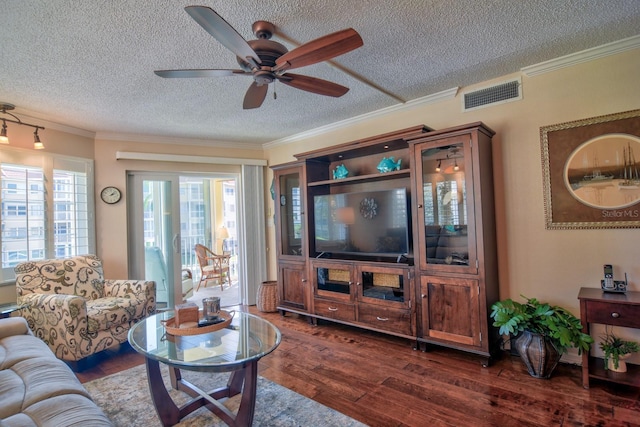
(496, 94)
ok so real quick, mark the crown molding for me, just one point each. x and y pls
(156, 139)
(582, 56)
(429, 99)
(156, 157)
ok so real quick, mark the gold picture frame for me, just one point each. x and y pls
(591, 172)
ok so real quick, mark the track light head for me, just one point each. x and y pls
(4, 139)
(37, 144)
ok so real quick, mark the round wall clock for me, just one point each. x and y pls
(110, 195)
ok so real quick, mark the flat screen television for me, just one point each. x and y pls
(363, 224)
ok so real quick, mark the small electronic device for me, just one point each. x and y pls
(608, 277)
(609, 285)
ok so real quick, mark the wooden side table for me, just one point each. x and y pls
(606, 308)
(7, 309)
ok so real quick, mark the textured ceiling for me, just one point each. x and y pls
(89, 64)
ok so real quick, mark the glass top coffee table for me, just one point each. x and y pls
(236, 349)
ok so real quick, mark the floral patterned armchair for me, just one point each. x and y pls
(71, 306)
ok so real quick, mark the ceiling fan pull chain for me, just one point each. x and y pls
(275, 95)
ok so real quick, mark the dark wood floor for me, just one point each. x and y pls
(381, 381)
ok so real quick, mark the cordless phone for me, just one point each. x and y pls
(609, 285)
(608, 277)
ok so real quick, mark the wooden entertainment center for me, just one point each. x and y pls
(438, 286)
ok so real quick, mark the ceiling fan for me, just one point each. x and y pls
(267, 60)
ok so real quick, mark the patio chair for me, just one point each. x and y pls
(212, 266)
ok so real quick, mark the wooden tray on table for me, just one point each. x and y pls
(192, 328)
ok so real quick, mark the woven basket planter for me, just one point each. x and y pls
(267, 300)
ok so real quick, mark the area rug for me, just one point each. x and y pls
(125, 399)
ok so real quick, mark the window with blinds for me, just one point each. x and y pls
(46, 208)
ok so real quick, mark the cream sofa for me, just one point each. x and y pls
(76, 311)
(37, 389)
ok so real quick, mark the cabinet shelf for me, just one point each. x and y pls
(597, 371)
(402, 173)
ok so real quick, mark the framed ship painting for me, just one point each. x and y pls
(591, 172)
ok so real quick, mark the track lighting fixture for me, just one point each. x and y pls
(438, 167)
(455, 165)
(5, 107)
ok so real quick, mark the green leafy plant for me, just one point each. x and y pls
(614, 347)
(555, 323)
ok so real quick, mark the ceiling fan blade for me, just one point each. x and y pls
(199, 73)
(320, 49)
(222, 31)
(313, 84)
(255, 96)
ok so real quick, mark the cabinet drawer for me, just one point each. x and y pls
(335, 310)
(613, 314)
(389, 319)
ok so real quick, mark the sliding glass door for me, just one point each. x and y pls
(155, 242)
(169, 214)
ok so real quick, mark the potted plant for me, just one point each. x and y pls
(615, 350)
(544, 332)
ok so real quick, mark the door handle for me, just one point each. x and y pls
(175, 241)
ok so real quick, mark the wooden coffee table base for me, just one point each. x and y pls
(170, 414)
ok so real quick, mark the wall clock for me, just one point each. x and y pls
(110, 195)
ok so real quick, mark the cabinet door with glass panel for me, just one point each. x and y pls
(383, 285)
(332, 279)
(445, 201)
(289, 198)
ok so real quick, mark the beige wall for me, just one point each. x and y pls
(550, 265)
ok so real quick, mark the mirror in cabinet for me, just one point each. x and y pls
(446, 197)
(291, 219)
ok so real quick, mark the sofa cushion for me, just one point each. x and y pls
(66, 410)
(36, 389)
(17, 348)
(104, 313)
(36, 379)
(80, 275)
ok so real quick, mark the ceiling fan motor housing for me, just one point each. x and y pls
(267, 50)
